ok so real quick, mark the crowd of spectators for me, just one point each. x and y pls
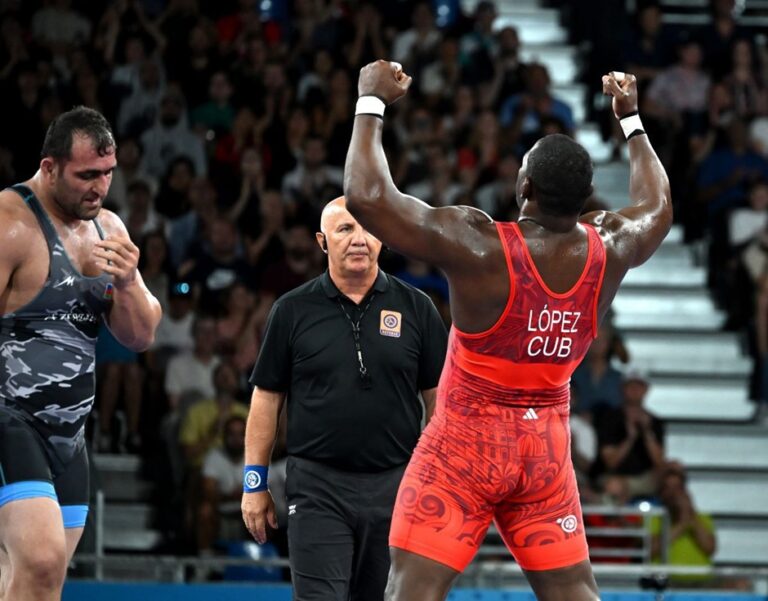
(232, 128)
(704, 101)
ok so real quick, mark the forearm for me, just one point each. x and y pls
(367, 181)
(134, 316)
(648, 181)
(705, 538)
(614, 455)
(261, 427)
(654, 448)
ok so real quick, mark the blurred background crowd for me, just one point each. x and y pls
(232, 120)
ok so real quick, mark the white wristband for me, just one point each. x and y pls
(370, 105)
(631, 124)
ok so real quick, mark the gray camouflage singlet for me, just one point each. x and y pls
(48, 347)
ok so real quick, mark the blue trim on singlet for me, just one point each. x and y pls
(74, 515)
(30, 489)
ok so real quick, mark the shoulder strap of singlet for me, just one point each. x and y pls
(37, 208)
(99, 228)
(34, 204)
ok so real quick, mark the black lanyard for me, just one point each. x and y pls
(365, 377)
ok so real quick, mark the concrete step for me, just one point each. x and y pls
(129, 515)
(696, 399)
(685, 305)
(741, 541)
(131, 539)
(718, 446)
(560, 60)
(589, 136)
(661, 323)
(611, 182)
(573, 96)
(726, 494)
(666, 271)
(706, 349)
(469, 5)
(534, 25)
(120, 478)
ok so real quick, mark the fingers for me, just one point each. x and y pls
(124, 246)
(611, 86)
(255, 524)
(272, 518)
(400, 76)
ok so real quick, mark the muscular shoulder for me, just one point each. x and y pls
(17, 223)
(475, 215)
(111, 223)
(611, 226)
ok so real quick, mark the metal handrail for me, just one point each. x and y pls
(175, 563)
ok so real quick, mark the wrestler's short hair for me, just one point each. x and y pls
(560, 170)
(80, 120)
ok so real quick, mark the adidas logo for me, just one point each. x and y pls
(291, 509)
(530, 414)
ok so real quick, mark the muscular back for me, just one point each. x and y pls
(480, 291)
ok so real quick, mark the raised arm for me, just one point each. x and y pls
(440, 236)
(635, 232)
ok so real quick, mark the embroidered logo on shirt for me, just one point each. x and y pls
(109, 291)
(390, 323)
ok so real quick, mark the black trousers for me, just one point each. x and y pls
(338, 529)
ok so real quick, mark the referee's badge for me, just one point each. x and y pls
(390, 323)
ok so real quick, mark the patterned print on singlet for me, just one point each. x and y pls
(47, 347)
(498, 445)
(528, 356)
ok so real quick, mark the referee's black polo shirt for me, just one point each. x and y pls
(309, 353)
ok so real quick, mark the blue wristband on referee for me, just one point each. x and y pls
(255, 478)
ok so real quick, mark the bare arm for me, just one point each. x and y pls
(260, 432)
(135, 312)
(11, 231)
(634, 233)
(442, 236)
(653, 447)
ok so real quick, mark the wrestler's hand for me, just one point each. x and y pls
(624, 92)
(119, 257)
(258, 510)
(384, 79)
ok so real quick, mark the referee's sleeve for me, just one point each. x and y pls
(273, 365)
(433, 346)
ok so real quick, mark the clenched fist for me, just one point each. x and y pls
(119, 257)
(624, 92)
(384, 79)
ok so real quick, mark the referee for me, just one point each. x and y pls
(351, 350)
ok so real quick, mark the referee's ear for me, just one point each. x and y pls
(321, 240)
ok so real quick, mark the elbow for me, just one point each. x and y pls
(361, 197)
(141, 343)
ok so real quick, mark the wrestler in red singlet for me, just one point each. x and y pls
(498, 446)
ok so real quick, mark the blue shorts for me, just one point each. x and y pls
(25, 472)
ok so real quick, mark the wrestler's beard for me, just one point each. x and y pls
(78, 209)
